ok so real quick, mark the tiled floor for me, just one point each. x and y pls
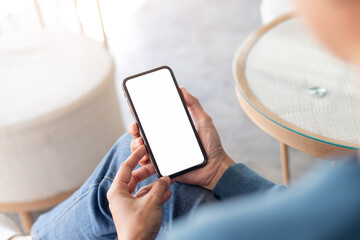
(198, 39)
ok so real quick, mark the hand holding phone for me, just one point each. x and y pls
(218, 160)
(158, 108)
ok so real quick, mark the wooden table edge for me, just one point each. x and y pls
(278, 128)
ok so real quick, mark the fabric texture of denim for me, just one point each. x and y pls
(86, 215)
(243, 205)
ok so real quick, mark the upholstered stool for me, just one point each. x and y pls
(59, 115)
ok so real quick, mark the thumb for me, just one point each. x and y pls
(159, 188)
(196, 111)
(190, 100)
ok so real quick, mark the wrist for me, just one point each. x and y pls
(138, 230)
(225, 164)
(133, 235)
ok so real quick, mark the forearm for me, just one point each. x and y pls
(240, 180)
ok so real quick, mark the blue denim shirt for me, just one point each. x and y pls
(324, 206)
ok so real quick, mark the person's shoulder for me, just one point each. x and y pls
(347, 168)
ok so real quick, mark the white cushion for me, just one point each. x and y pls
(59, 113)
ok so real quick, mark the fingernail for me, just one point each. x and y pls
(166, 179)
(142, 192)
(137, 141)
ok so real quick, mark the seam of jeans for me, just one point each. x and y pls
(109, 178)
(163, 229)
(65, 210)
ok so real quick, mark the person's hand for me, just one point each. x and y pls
(138, 216)
(218, 160)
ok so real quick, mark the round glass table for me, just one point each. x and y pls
(296, 91)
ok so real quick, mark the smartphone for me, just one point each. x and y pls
(164, 122)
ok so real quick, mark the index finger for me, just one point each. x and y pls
(123, 176)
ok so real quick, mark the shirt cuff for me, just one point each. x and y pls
(240, 180)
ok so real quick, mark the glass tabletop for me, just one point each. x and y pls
(295, 82)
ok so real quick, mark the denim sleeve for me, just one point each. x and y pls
(240, 180)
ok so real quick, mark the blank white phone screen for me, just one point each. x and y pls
(164, 122)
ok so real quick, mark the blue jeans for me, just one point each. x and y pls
(86, 214)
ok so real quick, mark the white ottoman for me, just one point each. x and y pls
(59, 115)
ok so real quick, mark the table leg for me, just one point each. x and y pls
(285, 163)
(26, 221)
